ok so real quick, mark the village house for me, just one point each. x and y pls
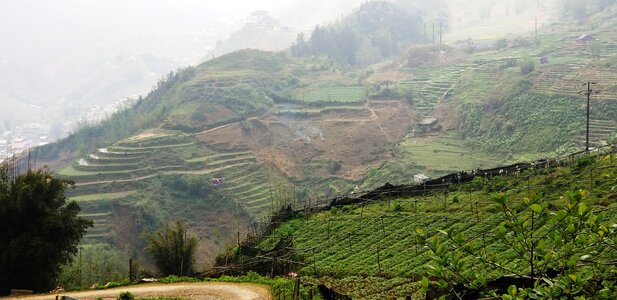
(428, 125)
(384, 85)
(420, 178)
(585, 39)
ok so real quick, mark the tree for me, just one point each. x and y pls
(173, 250)
(550, 247)
(299, 47)
(527, 65)
(39, 229)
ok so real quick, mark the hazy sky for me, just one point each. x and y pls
(121, 17)
(26, 25)
(41, 20)
(84, 50)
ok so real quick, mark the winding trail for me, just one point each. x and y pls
(201, 290)
(192, 172)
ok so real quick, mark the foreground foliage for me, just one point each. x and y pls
(173, 249)
(556, 251)
(571, 234)
(39, 229)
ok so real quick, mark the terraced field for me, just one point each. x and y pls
(478, 81)
(286, 108)
(448, 153)
(330, 92)
(112, 175)
(432, 86)
(599, 131)
(375, 243)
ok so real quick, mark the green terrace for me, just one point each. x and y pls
(378, 241)
(114, 174)
(330, 92)
(313, 110)
(447, 153)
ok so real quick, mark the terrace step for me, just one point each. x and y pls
(220, 155)
(244, 187)
(247, 194)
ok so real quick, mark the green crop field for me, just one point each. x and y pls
(287, 108)
(330, 92)
(358, 248)
(448, 153)
(97, 197)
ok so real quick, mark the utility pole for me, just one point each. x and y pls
(440, 33)
(588, 93)
(536, 29)
(433, 33)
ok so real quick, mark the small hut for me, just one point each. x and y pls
(420, 178)
(428, 125)
(585, 39)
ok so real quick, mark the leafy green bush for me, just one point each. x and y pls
(527, 65)
(173, 249)
(126, 296)
(174, 279)
(545, 240)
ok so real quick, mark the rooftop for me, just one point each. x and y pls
(428, 121)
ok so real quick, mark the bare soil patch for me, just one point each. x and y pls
(202, 290)
(357, 139)
(446, 114)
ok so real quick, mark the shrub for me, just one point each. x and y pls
(527, 65)
(126, 296)
(174, 279)
(173, 249)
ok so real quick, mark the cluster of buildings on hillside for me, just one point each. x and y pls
(23, 138)
(30, 135)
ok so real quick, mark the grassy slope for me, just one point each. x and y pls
(341, 246)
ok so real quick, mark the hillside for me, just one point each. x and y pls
(223, 148)
(369, 246)
(228, 142)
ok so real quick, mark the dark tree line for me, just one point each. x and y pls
(376, 30)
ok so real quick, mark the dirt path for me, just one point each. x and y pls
(232, 123)
(192, 172)
(202, 290)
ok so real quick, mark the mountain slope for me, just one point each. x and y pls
(228, 142)
(369, 248)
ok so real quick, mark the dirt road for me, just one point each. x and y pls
(201, 290)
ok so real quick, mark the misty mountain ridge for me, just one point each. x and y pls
(260, 31)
